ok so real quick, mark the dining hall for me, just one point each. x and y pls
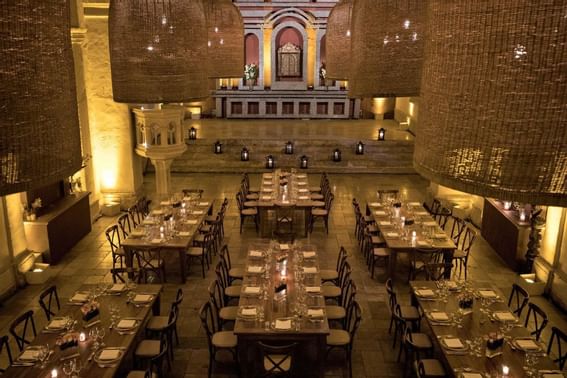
(283, 188)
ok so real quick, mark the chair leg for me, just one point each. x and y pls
(203, 265)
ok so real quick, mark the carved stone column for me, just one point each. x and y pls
(159, 137)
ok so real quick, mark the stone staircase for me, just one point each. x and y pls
(390, 156)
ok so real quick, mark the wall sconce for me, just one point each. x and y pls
(244, 154)
(360, 148)
(218, 147)
(304, 163)
(382, 134)
(337, 155)
(192, 133)
(289, 148)
(270, 162)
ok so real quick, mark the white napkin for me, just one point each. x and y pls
(268, 183)
(380, 212)
(252, 311)
(303, 190)
(118, 287)
(165, 203)
(439, 316)
(57, 324)
(156, 241)
(527, 344)
(553, 375)
(284, 247)
(283, 324)
(184, 234)
(149, 222)
(309, 254)
(80, 297)
(487, 293)
(256, 254)
(198, 212)
(505, 316)
(375, 204)
(157, 212)
(267, 175)
(126, 324)
(414, 203)
(142, 298)
(252, 290)
(420, 212)
(440, 235)
(471, 375)
(423, 243)
(309, 270)
(301, 176)
(191, 221)
(429, 223)
(266, 198)
(425, 293)
(267, 190)
(301, 183)
(109, 354)
(203, 204)
(304, 197)
(255, 269)
(392, 234)
(453, 343)
(313, 289)
(385, 223)
(137, 233)
(315, 313)
(29, 355)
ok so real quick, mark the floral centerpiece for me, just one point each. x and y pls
(251, 73)
(90, 310)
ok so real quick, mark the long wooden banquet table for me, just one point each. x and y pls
(285, 189)
(170, 236)
(281, 303)
(117, 304)
(423, 232)
(462, 334)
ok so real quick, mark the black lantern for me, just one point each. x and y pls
(289, 148)
(381, 133)
(192, 133)
(270, 162)
(337, 155)
(218, 147)
(360, 148)
(244, 154)
(304, 162)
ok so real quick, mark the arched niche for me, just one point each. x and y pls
(322, 58)
(289, 33)
(251, 49)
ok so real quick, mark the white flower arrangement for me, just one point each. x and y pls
(251, 71)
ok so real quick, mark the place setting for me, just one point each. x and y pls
(453, 345)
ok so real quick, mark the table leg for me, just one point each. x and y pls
(448, 258)
(306, 220)
(182, 265)
(322, 352)
(263, 214)
(129, 261)
(392, 263)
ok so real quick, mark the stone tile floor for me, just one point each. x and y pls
(90, 261)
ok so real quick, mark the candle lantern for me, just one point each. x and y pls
(289, 148)
(304, 163)
(360, 148)
(382, 134)
(270, 162)
(192, 133)
(337, 155)
(218, 147)
(244, 154)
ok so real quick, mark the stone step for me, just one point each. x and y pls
(390, 156)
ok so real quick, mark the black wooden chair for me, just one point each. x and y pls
(5, 345)
(536, 317)
(19, 329)
(277, 360)
(518, 300)
(125, 275)
(557, 347)
(123, 222)
(152, 263)
(344, 338)
(114, 239)
(49, 299)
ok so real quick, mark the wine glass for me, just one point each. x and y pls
(69, 368)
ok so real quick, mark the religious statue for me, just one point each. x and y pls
(323, 74)
(251, 74)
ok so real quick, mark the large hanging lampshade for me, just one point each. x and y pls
(339, 41)
(158, 50)
(493, 114)
(225, 39)
(387, 48)
(40, 139)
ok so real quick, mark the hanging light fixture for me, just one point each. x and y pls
(192, 133)
(289, 148)
(244, 154)
(337, 155)
(387, 48)
(493, 115)
(304, 162)
(158, 50)
(381, 134)
(225, 39)
(218, 147)
(39, 127)
(359, 148)
(338, 39)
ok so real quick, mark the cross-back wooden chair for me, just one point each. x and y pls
(123, 222)
(5, 345)
(518, 300)
(19, 329)
(114, 239)
(277, 360)
(557, 347)
(537, 318)
(48, 299)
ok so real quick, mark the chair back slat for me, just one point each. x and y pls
(538, 318)
(19, 329)
(50, 296)
(557, 347)
(518, 299)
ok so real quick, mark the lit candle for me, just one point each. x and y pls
(54, 373)
(507, 205)
(403, 221)
(82, 337)
(505, 370)
(522, 215)
(161, 229)
(413, 235)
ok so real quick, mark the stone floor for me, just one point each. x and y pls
(90, 260)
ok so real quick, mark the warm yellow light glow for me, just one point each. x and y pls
(551, 234)
(311, 49)
(37, 270)
(379, 105)
(109, 179)
(411, 108)
(268, 56)
(194, 109)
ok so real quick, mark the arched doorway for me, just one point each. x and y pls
(289, 55)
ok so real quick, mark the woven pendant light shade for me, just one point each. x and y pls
(493, 112)
(339, 41)
(158, 50)
(40, 140)
(387, 48)
(225, 39)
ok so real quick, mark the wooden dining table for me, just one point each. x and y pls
(476, 325)
(84, 352)
(419, 231)
(299, 304)
(183, 229)
(273, 193)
